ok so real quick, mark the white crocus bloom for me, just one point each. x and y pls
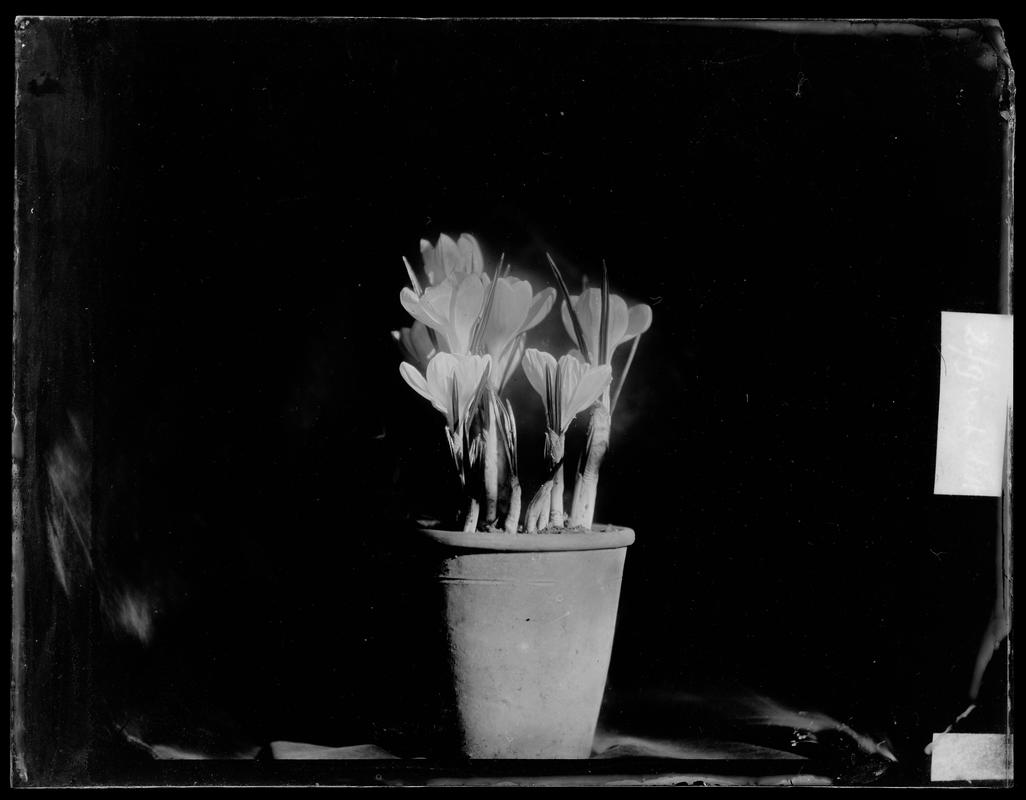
(567, 387)
(452, 384)
(449, 304)
(415, 344)
(624, 323)
(450, 309)
(446, 257)
(515, 310)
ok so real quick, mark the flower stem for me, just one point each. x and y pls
(582, 512)
(505, 423)
(491, 473)
(557, 519)
(555, 447)
(513, 514)
(470, 520)
(538, 509)
(542, 511)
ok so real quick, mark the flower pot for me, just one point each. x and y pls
(528, 623)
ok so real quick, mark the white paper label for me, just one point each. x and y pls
(971, 757)
(975, 399)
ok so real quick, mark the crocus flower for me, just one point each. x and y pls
(624, 323)
(567, 387)
(415, 344)
(450, 309)
(452, 384)
(446, 257)
(449, 304)
(515, 310)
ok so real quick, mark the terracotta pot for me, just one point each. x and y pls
(528, 629)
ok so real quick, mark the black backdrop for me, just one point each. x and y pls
(797, 207)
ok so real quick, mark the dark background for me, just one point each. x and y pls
(211, 219)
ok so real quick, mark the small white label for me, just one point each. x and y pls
(975, 399)
(971, 757)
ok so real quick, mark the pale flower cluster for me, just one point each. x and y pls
(467, 340)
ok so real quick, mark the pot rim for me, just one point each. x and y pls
(600, 537)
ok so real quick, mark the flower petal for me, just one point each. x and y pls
(420, 339)
(418, 383)
(402, 336)
(424, 308)
(416, 344)
(639, 322)
(564, 314)
(588, 306)
(438, 301)
(432, 259)
(464, 309)
(541, 304)
(537, 363)
(451, 256)
(470, 250)
(619, 317)
(568, 376)
(589, 321)
(509, 309)
(590, 386)
(506, 364)
(470, 371)
(439, 378)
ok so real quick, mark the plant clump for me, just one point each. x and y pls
(468, 338)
